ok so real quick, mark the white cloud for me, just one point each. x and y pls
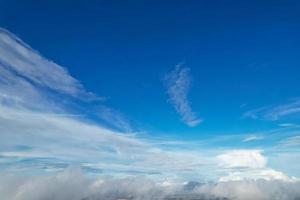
(253, 138)
(257, 174)
(287, 125)
(275, 112)
(33, 113)
(62, 186)
(249, 165)
(178, 84)
(291, 141)
(242, 158)
(115, 118)
(251, 189)
(27, 78)
(51, 138)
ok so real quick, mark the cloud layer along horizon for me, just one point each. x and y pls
(72, 184)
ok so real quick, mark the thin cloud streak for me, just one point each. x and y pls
(275, 112)
(178, 83)
(253, 138)
(291, 141)
(24, 62)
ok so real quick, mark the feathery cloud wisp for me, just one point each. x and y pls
(253, 138)
(275, 112)
(17, 59)
(178, 83)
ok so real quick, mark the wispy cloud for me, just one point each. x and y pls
(114, 118)
(178, 83)
(27, 79)
(287, 125)
(253, 138)
(36, 96)
(275, 112)
(291, 141)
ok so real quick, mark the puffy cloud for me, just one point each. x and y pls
(242, 158)
(253, 189)
(178, 85)
(257, 174)
(72, 184)
(248, 165)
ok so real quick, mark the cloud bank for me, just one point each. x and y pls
(72, 184)
(178, 84)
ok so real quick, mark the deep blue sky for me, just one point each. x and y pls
(242, 56)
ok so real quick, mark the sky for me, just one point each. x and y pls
(173, 91)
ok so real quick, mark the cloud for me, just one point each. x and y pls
(257, 174)
(275, 112)
(291, 141)
(62, 186)
(253, 189)
(40, 136)
(27, 79)
(178, 84)
(252, 138)
(242, 158)
(37, 112)
(249, 165)
(22, 61)
(115, 118)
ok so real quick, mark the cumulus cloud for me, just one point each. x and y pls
(178, 84)
(248, 165)
(73, 184)
(253, 189)
(242, 158)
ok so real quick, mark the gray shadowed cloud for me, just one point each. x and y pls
(63, 186)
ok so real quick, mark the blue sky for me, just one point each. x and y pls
(192, 80)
